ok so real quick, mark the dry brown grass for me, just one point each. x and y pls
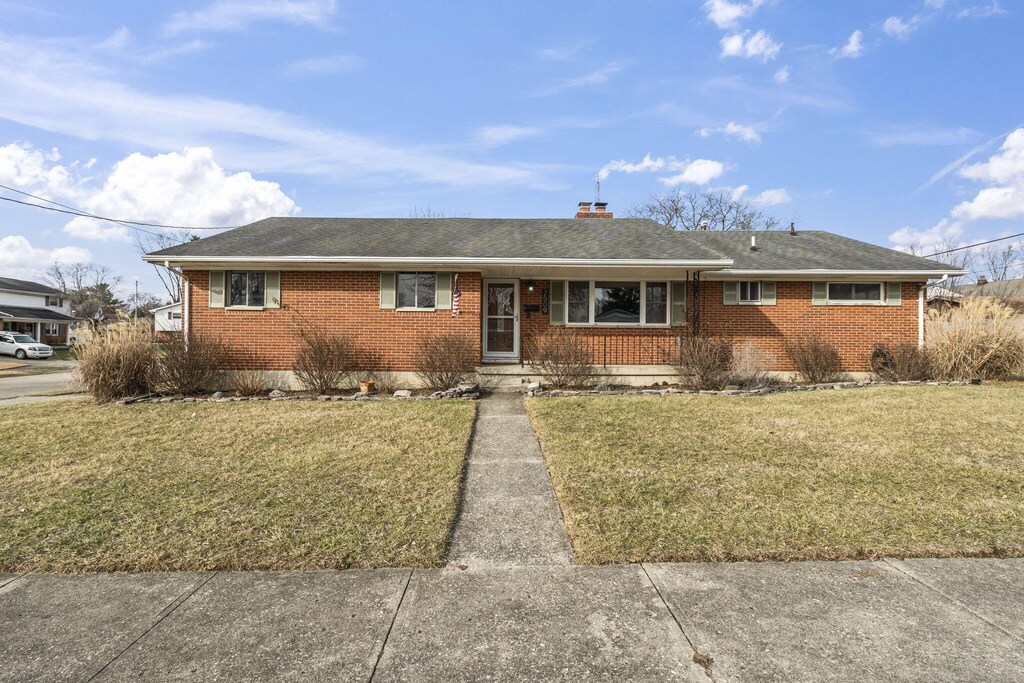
(982, 338)
(117, 360)
(229, 486)
(894, 471)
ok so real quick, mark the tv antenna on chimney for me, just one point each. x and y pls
(597, 188)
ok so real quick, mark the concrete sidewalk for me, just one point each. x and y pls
(935, 620)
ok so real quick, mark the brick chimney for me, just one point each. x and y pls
(600, 210)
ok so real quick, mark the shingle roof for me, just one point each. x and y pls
(568, 238)
(1011, 288)
(808, 250)
(12, 284)
(43, 314)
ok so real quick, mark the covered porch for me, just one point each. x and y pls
(44, 325)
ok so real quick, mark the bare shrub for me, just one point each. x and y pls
(900, 363)
(983, 338)
(325, 361)
(187, 365)
(115, 361)
(385, 381)
(704, 363)
(562, 359)
(250, 382)
(816, 360)
(444, 359)
(748, 369)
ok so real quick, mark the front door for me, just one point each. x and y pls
(501, 320)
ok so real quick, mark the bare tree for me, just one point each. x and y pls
(430, 212)
(705, 210)
(89, 288)
(169, 278)
(1002, 262)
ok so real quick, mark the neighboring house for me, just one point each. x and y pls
(35, 309)
(166, 320)
(628, 287)
(943, 298)
(1010, 291)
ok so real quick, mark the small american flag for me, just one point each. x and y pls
(456, 296)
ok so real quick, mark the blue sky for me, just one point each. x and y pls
(890, 121)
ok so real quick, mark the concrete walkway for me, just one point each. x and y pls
(916, 620)
(509, 515)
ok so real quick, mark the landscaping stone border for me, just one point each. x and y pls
(653, 391)
(463, 392)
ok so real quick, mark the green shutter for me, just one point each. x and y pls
(272, 296)
(216, 289)
(387, 290)
(443, 293)
(894, 293)
(767, 293)
(730, 297)
(678, 303)
(556, 304)
(819, 293)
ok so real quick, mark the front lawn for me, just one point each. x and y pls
(863, 473)
(248, 485)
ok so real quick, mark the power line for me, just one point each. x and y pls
(976, 244)
(75, 213)
(86, 214)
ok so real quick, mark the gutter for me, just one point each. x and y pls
(444, 260)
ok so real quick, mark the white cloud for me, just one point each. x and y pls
(853, 48)
(598, 76)
(981, 11)
(496, 136)
(772, 197)
(751, 46)
(59, 86)
(733, 130)
(726, 14)
(188, 188)
(934, 4)
(697, 172)
(782, 75)
(895, 27)
(1005, 172)
(325, 66)
(19, 259)
(923, 135)
(237, 15)
(927, 240)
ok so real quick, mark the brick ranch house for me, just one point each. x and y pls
(630, 287)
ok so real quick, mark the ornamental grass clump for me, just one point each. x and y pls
(983, 338)
(116, 361)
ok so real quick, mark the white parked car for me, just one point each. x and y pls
(22, 346)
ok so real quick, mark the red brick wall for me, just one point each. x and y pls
(852, 329)
(341, 301)
(348, 302)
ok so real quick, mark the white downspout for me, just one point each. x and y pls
(920, 308)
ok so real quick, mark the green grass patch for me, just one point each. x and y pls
(250, 485)
(897, 471)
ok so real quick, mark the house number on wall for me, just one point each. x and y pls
(544, 301)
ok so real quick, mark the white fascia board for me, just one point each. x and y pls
(821, 274)
(377, 261)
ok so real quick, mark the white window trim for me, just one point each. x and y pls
(415, 309)
(751, 302)
(643, 304)
(881, 301)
